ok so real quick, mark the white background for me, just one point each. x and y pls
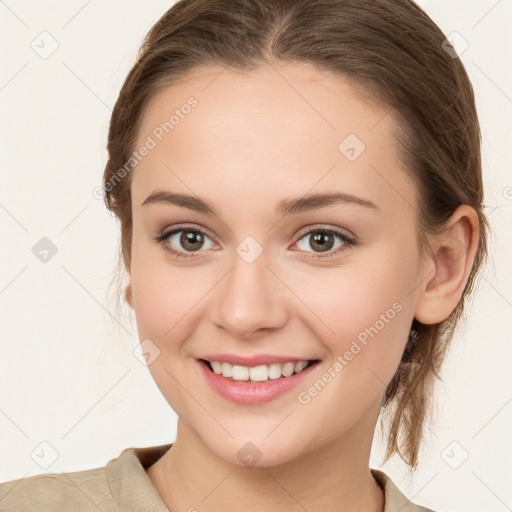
(68, 375)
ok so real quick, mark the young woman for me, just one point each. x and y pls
(299, 190)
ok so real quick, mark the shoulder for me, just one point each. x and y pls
(80, 490)
(395, 500)
(122, 484)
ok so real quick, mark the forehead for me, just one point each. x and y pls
(283, 129)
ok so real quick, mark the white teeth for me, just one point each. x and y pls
(257, 373)
(216, 367)
(300, 366)
(240, 372)
(288, 369)
(226, 369)
(274, 371)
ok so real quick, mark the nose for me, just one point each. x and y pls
(250, 301)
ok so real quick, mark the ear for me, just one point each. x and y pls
(128, 295)
(448, 267)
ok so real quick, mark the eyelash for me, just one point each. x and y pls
(162, 239)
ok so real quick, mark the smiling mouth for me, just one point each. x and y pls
(260, 373)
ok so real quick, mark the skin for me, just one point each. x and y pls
(251, 141)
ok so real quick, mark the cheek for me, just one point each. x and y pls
(368, 309)
(163, 294)
(162, 304)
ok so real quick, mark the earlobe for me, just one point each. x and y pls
(452, 259)
(128, 295)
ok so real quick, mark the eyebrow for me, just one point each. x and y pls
(284, 207)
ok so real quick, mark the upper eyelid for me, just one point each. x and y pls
(319, 227)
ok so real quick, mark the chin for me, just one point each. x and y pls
(257, 453)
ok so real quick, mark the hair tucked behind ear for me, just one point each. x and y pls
(392, 51)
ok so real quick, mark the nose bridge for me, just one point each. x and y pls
(246, 301)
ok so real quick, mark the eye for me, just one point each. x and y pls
(191, 240)
(323, 240)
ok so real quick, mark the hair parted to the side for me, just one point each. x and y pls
(392, 51)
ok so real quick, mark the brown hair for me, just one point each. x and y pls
(393, 50)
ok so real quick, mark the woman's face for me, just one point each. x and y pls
(265, 279)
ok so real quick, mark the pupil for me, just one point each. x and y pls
(327, 241)
(191, 237)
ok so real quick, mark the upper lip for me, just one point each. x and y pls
(255, 360)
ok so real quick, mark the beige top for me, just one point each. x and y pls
(123, 485)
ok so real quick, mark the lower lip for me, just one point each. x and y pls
(246, 392)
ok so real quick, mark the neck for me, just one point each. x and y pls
(332, 478)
